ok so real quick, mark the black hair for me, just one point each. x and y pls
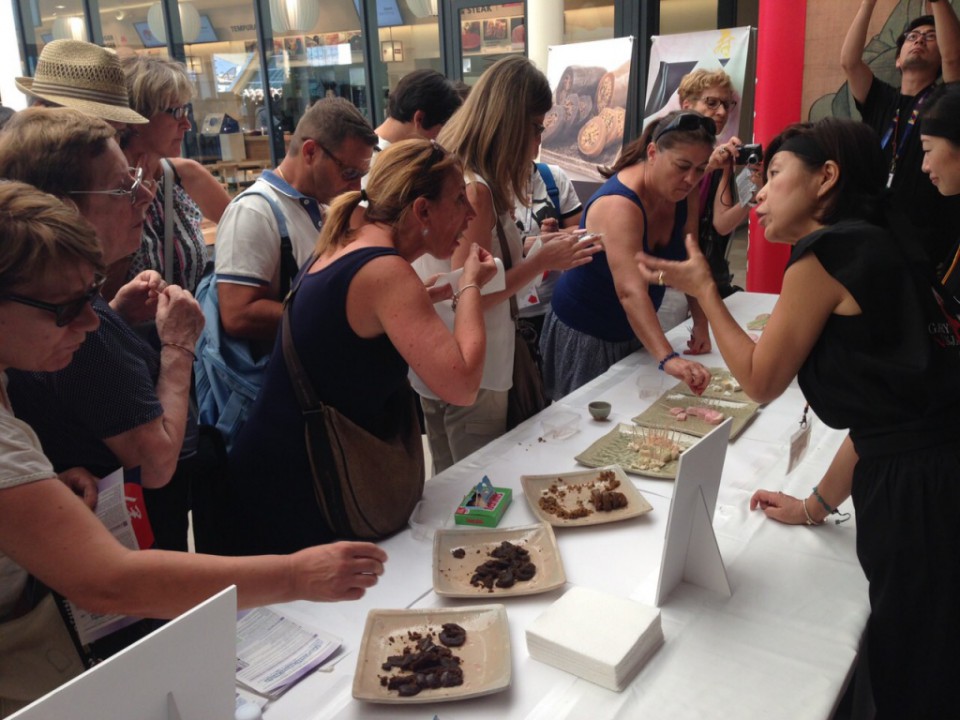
(912, 25)
(855, 148)
(425, 90)
(941, 113)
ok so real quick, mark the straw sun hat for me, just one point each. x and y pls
(82, 76)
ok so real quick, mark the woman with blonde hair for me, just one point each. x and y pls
(359, 319)
(160, 90)
(496, 134)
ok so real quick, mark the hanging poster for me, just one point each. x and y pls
(673, 56)
(590, 84)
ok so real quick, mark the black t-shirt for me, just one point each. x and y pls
(935, 216)
(892, 373)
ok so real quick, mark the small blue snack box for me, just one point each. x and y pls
(484, 505)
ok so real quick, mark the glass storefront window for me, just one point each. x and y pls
(489, 33)
(409, 39)
(586, 20)
(52, 20)
(683, 16)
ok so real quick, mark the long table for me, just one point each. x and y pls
(783, 645)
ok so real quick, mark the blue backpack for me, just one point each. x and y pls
(227, 376)
(553, 192)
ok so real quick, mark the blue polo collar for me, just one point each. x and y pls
(310, 206)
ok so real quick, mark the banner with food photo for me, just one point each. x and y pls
(584, 128)
(673, 56)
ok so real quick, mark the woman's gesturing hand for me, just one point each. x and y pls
(691, 276)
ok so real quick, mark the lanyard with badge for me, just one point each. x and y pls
(894, 129)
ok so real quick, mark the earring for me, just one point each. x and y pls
(426, 231)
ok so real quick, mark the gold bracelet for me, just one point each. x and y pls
(181, 348)
(806, 512)
(458, 293)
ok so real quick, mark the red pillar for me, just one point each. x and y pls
(779, 96)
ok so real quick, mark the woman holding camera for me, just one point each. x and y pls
(875, 350)
(710, 93)
(606, 310)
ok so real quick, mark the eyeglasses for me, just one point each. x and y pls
(713, 103)
(538, 128)
(347, 172)
(686, 122)
(138, 181)
(916, 36)
(178, 112)
(66, 312)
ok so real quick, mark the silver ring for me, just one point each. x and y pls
(660, 280)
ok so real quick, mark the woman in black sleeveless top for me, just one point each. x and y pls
(877, 351)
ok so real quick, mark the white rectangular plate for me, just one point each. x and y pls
(451, 576)
(536, 485)
(485, 655)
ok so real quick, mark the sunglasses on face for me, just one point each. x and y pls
(66, 312)
(347, 172)
(713, 103)
(178, 112)
(686, 122)
(138, 181)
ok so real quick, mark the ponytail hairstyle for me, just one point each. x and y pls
(405, 171)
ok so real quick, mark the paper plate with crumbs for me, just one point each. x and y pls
(651, 452)
(478, 654)
(494, 563)
(584, 497)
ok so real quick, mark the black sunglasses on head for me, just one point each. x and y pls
(686, 122)
(66, 312)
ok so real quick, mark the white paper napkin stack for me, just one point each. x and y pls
(602, 638)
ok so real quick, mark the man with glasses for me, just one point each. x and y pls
(928, 45)
(329, 152)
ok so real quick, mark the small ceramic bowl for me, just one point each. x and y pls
(599, 410)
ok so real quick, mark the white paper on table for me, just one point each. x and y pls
(273, 652)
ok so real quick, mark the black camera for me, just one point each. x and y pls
(749, 155)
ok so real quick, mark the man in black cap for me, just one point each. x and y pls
(928, 46)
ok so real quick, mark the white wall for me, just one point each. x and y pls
(9, 58)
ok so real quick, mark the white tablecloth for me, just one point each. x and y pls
(782, 646)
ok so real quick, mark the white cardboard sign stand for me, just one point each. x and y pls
(690, 550)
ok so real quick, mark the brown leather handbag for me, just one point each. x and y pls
(366, 487)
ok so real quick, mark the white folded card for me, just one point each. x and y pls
(497, 283)
(600, 637)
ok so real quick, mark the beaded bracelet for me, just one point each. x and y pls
(819, 497)
(181, 348)
(667, 359)
(458, 293)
